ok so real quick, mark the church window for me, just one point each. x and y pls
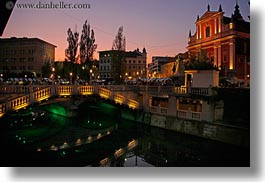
(208, 32)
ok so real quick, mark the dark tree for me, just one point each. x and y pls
(201, 62)
(119, 42)
(46, 69)
(118, 56)
(71, 51)
(87, 44)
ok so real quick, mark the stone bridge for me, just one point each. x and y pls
(120, 94)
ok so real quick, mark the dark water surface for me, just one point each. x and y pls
(97, 135)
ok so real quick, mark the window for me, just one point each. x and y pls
(22, 67)
(225, 58)
(139, 61)
(208, 32)
(13, 68)
(5, 68)
(30, 59)
(22, 51)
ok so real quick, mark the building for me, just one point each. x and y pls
(174, 67)
(135, 64)
(154, 68)
(201, 78)
(119, 65)
(110, 65)
(225, 41)
(18, 55)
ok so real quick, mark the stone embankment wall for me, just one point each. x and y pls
(214, 131)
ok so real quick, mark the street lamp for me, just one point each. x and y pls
(71, 74)
(91, 73)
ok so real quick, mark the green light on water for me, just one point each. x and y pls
(58, 109)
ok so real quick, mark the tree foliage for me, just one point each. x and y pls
(119, 42)
(200, 62)
(71, 51)
(87, 44)
(46, 69)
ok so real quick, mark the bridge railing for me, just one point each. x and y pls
(19, 102)
(200, 91)
(21, 89)
(2, 109)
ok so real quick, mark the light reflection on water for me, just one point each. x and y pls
(120, 143)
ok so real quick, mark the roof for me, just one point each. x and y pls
(15, 39)
(133, 54)
(208, 14)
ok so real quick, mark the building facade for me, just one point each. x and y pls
(110, 65)
(120, 66)
(19, 55)
(135, 64)
(154, 68)
(225, 41)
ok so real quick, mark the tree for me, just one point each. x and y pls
(199, 63)
(118, 56)
(119, 42)
(87, 44)
(46, 69)
(71, 51)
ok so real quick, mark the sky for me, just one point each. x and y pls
(161, 26)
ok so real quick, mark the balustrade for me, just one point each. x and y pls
(2, 109)
(105, 93)
(118, 98)
(189, 115)
(20, 102)
(159, 110)
(38, 93)
(65, 90)
(133, 104)
(86, 90)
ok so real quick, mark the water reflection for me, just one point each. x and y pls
(59, 141)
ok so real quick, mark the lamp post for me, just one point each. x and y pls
(126, 78)
(71, 74)
(90, 75)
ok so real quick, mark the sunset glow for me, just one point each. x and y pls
(161, 27)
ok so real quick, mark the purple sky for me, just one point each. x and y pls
(162, 26)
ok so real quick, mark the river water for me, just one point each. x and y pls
(97, 135)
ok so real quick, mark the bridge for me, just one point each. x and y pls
(120, 94)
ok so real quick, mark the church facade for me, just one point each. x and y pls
(225, 41)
